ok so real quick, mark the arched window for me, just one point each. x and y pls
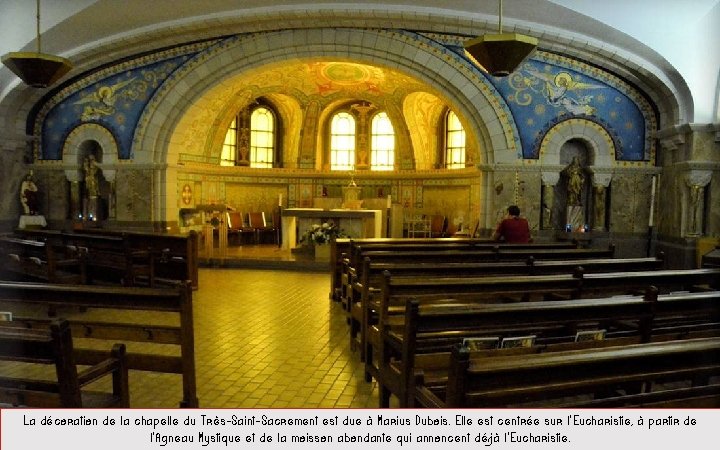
(454, 142)
(382, 143)
(262, 138)
(342, 142)
(229, 149)
(251, 139)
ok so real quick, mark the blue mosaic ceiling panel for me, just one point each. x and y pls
(550, 88)
(115, 102)
(541, 94)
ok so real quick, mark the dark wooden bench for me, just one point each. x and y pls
(495, 253)
(451, 252)
(424, 340)
(41, 261)
(346, 252)
(112, 259)
(130, 257)
(656, 374)
(175, 256)
(109, 259)
(357, 292)
(358, 249)
(149, 316)
(54, 347)
(388, 307)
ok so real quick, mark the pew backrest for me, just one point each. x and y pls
(430, 331)
(54, 346)
(176, 301)
(559, 376)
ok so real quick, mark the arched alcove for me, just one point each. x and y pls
(198, 88)
(90, 152)
(594, 149)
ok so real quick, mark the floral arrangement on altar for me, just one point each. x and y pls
(322, 234)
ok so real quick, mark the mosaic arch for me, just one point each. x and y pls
(113, 98)
(412, 55)
(85, 133)
(599, 140)
(550, 89)
(141, 101)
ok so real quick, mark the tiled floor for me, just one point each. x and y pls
(265, 339)
(272, 339)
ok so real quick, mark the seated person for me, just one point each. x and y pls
(513, 229)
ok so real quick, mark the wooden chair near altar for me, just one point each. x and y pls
(261, 227)
(238, 231)
(438, 225)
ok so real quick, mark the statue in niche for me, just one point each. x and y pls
(91, 201)
(575, 219)
(575, 181)
(91, 177)
(29, 196)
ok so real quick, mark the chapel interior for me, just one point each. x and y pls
(249, 122)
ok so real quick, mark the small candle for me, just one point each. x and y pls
(389, 202)
(279, 199)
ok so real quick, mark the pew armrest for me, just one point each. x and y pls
(116, 366)
(424, 397)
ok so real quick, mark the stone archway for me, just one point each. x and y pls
(601, 148)
(453, 77)
(83, 141)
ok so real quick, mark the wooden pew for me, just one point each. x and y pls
(131, 256)
(449, 252)
(430, 331)
(54, 346)
(109, 259)
(175, 256)
(386, 309)
(148, 323)
(495, 253)
(593, 284)
(37, 260)
(343, 248)
(113, 259)
(390, 303)
(357, 292)
(358, 249)
(595, 377)
(345, 251)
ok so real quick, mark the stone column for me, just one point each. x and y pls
(696, 180)
(110, 177)
(363, 146)
(601, 181)
(549, 180)
(76, 207)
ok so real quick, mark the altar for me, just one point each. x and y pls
(355, 223)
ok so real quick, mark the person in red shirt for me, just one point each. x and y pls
(513, 229)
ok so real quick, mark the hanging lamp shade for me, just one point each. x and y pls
(38, 70)
(500, 54)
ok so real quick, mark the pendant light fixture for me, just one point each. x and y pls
(37, 69)
(500, 54)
